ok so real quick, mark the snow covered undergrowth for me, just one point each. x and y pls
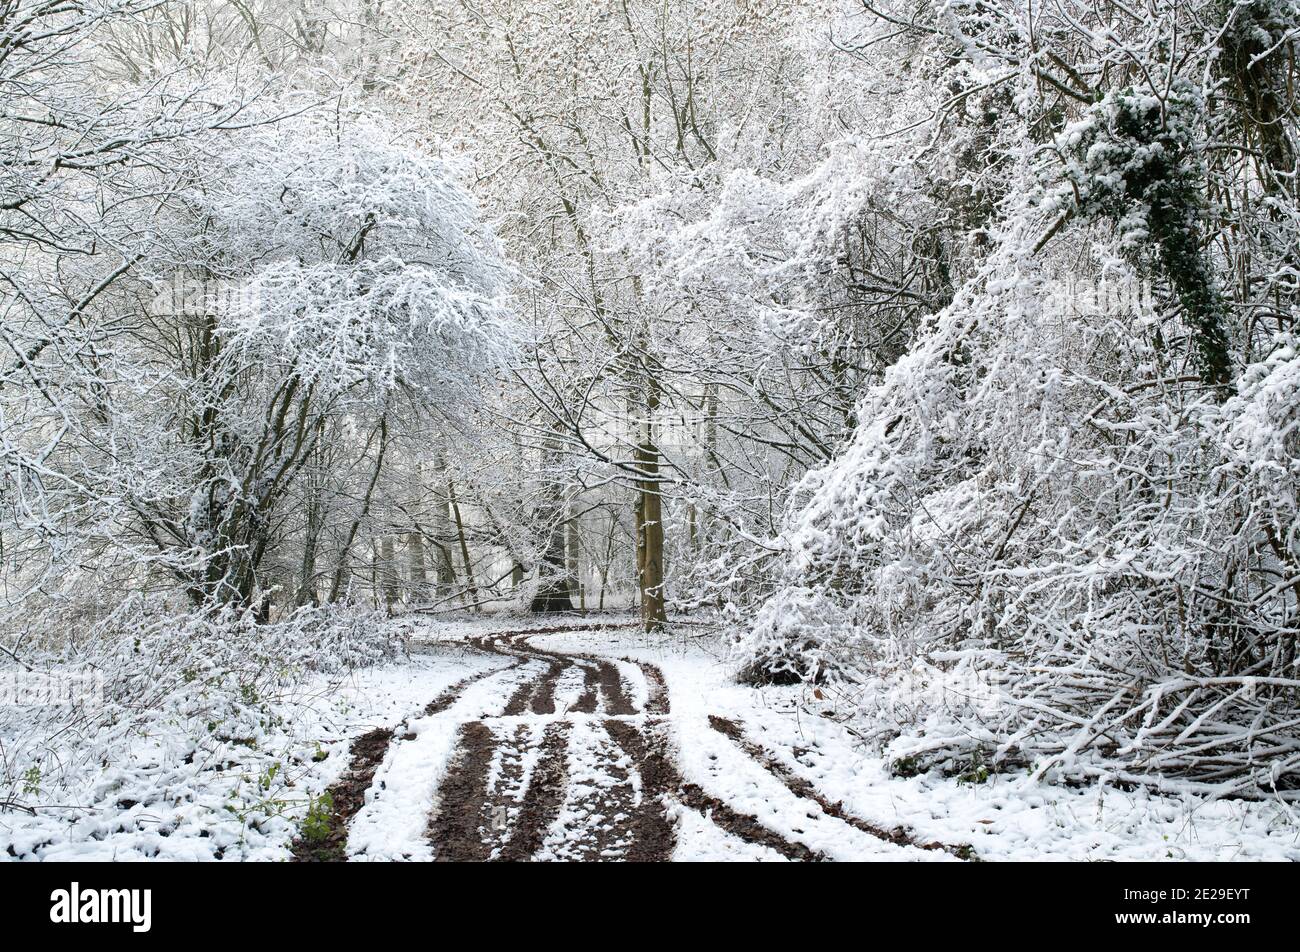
(177, 788)
(1006, 817)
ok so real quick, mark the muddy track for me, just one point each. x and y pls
(450, 696)
(570, 768)
(601, 814)
(600, 677)
(367, 752)
(348, 795)
(543, 800)
(802, 787)
(660, 775)
(658, 703)
(457, 827)
(586, 703)
(602, 800)
(544, 697)
(473, 805)
(653, 837)
(611, 686)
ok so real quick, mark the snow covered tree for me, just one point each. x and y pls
(344, 281)
(71, 149)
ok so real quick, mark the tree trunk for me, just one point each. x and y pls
(417, 566)
(553, 592)
(306, 594)
(608, 561)
(650, 526)
(341, 570)
(444, 564)
(576, 589)
(470, 587)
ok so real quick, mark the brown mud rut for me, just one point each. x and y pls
(608, 771)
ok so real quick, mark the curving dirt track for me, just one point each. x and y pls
(572, 767)
(563, 773)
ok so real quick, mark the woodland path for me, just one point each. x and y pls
(554, 759)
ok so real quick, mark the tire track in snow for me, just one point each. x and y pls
(594, 780)
(543, 799)
(463, 797)
(802, 787)
(631, 816)
(462, 826)
(660, 776)
(366, 753)
(394, 822)
(604, 793)
(347, 794)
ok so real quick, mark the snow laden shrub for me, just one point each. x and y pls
(351, 258)
(177, 687)
(1044, 547)
(797, 637)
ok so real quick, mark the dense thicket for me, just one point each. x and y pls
(1064, 534)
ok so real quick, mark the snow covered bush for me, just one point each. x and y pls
(1035, 502)
(322, 293)
(176, 693)
(347, 275)
(1064, 535)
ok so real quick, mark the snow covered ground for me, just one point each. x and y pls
(555, 735)
(235, 803)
